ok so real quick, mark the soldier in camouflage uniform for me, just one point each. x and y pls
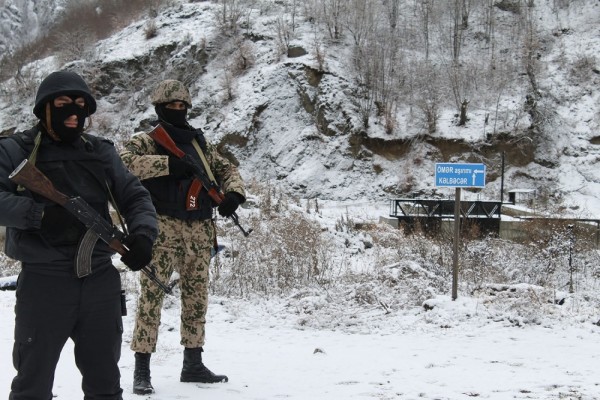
(186, 236)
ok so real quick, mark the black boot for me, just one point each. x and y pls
(195, 371)
(141, 374)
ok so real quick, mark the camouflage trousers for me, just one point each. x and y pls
(183, 246)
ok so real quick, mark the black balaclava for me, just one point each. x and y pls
(176, 118)
(58, 115)
(63, 83)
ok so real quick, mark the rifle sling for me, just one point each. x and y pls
(114, 204)
(214, 181)
(204, 162)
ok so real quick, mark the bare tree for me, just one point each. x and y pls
(425, 8)
(284, 34)
(229, 14)
(360, 20)
(427, 94)
(490, 30)
(243, 56)
(76, 44)
(380, 72)
(463, 82)
(311, 10)
(457, 29)
(292, 9)
(466, 8)
(392, 8)
(333, 14)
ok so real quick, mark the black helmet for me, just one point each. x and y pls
(61, 83)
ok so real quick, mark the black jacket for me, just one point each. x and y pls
(169, 194)
(84, 168)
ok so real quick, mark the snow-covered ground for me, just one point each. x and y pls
(268, 356)
(315, 343)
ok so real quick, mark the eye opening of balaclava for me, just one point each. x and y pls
(176, 118)
(55, 118)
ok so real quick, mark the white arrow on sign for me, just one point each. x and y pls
(475, 172)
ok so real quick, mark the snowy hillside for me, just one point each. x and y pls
(24, 20)
(293, 117)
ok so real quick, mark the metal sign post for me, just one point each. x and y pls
(455, 243)
(458, 176)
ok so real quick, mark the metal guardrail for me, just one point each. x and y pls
(431, 212)
(440, 208)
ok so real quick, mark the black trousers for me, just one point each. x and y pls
(49, 310)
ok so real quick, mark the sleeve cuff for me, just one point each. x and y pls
(148, 232)
(241, 198)
(34, 218)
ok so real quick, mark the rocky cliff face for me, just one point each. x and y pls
(295, 118)
(23, 20)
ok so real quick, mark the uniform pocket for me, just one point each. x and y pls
(24, 337)
(24, 334)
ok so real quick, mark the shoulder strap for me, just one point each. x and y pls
(36, 146)
(204, 162)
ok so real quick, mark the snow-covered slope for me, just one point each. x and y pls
(294, 121)
(23, 20)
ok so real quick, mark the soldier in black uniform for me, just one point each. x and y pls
(53, 304)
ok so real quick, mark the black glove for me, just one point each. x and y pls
(230, 203)
(140, 252)
(179, 168)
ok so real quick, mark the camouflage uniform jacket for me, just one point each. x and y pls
(150, 163)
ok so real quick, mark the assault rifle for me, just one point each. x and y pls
(28, 176)
(160, 136)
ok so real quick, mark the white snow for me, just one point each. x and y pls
(413, 356)
(316, 344)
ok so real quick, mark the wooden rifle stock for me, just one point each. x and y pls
(28, 176)
(161, 136)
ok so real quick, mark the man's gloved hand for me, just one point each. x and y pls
(229, 204)
(179, 168)
(140, 252)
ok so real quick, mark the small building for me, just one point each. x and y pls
(522, 196)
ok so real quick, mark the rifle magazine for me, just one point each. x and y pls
(83, 259)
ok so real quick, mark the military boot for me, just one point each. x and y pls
(141, 374)
(195, 371)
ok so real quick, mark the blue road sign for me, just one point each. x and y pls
(459, 175)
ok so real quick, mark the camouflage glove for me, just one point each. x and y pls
(179, 168)
(229, 204)
(140, 252)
